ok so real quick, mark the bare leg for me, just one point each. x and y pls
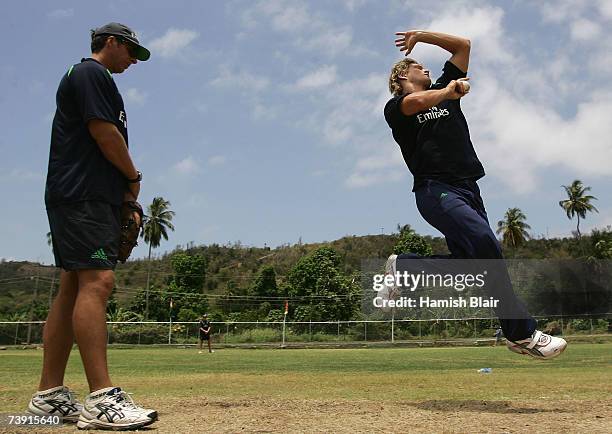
(89, 321)
(57, 335)
(209, 347)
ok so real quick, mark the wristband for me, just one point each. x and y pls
(135, 180)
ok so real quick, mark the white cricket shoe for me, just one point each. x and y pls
(58, 401)
(113, 409)
(539, 345)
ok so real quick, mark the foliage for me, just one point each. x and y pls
(411, 242)
(513, 228)
(329, 293)
(577, 202)
(265, 283)
(158, 221)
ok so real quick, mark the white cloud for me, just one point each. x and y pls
(482, 25)
(187, 166)
(263, 112)
(217, 160)
(353, 5)
(306, 30)
(585, 30)
(362, 179)
(605, 9)
(135, 96)
(322, 77)
(61, 13)
(228, 77)
(18, 174)
(173, 42)
(557, 11)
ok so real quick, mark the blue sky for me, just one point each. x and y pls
(261, 121)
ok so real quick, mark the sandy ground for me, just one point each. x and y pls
(314, 416)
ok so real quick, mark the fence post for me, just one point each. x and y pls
(475, 334)
(338, 329)
(226, 331)
(310, 329)
(16, 333)
(420, 329)
(365, 331)
(393, 326)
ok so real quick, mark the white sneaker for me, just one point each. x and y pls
(113, 409)
(58, 401)
(539, 345)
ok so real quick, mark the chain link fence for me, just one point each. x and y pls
(277, 332)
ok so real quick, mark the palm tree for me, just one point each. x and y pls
(156, 226)
(577, 202)
(513, 228)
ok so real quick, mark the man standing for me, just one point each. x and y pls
(90, 175)
(427, 123)
(205, 333)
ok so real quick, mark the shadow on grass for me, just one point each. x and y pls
(504, 407)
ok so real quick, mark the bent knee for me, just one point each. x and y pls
(486, 246)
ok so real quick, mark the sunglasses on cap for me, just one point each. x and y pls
(131, 47)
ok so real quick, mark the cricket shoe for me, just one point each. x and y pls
(113, 409)
(539, 345)
(58, 401)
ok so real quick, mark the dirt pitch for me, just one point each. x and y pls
(317, 416)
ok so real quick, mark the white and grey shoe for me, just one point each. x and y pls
(58, 401)
(113, 409)
(539, 345)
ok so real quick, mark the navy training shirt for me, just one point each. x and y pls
(204, 325)
(78, 171)
(435, 143)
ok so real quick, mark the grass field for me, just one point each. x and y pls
(347, 390)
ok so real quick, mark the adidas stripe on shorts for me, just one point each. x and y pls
(85, 235)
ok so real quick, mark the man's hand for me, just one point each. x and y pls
(455, 89)
(407, 40)
(459, 47)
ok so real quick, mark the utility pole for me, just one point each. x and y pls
(32, 308)
(51, 289)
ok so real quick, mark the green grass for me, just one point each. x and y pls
(581, 373)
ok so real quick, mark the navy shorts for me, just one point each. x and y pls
(204, 336)
(85, 235)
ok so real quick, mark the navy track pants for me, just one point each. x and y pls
(459, 213)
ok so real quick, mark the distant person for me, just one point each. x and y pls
(498, 335)
(90, 175)
(205, 333)
(427, 123)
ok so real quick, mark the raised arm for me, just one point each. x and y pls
(423, 100)
(459, 47)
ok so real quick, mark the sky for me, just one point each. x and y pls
(262, 121)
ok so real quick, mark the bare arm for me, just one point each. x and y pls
(459, 47)
(115, 150)
(426, 99)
